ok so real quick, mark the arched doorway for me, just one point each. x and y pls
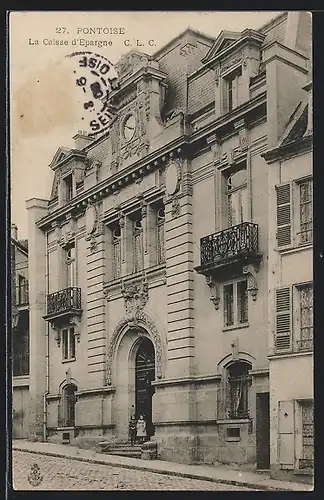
(144, 374)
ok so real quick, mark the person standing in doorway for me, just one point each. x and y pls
(141, 429)
(132, 429)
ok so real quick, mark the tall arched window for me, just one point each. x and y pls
(67, 406)
(238, 385)
(116, 258)
(237, 197)
(160, 218)
(233, 391)
(138, 245)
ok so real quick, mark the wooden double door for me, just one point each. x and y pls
(144, 375)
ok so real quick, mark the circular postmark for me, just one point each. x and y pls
(95, 78)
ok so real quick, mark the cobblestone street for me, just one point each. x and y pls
(64, 474)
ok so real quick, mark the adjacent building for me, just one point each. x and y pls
(290, 275)
(153, 259)
(19, 335)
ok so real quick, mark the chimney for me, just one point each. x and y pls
(14, 231)
(81, 140)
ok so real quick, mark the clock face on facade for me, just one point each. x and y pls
(129, 126)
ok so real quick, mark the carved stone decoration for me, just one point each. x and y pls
(93, 244)
(57, 331)
(231, 62)
(135, 298)
(65, 234)
(214, 291)
(175, 208)
(91, 220)
(252, 285)
(173, 176)
(143, 320)
(75, 321)
(235, 349)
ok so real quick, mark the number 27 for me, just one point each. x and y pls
(60, 31)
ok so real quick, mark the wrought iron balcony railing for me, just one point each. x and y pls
(64, 301)
(233, 242)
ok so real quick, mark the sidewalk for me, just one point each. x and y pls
(259, 481)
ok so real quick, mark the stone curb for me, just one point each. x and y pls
(190, 475)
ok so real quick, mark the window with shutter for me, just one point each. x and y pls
(283, 215)
(283, 319)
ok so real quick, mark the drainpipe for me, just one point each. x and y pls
(46, 347)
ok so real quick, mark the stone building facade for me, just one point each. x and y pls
(290, 285)
(19, 335)
(150, 260)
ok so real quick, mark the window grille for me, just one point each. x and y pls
(306, 317)
(306, 212)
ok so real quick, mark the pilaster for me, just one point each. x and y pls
(37, 208)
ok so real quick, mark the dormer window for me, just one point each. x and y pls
(68, 184)
(232, 83)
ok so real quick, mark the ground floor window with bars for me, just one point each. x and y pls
(307, 452)
(233, 392)
(66, 416)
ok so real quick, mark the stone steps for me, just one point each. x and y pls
(121, 449)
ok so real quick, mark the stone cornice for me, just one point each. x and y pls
(145, 165)
(194, 380)
(234, 115)
(117, 181)
(293, 148)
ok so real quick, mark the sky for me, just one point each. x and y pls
(44, 111)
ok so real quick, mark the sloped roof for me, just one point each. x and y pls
(298, 129)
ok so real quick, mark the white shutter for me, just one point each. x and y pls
(283, 319)
(284, 215)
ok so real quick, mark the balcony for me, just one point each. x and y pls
(63, 304)
(231, 248)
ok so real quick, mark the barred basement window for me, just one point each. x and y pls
(138, 245)
(306, 317)
(307, 460)
(306, 212)
(68, 344)
(116, 248)
(160, 216)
